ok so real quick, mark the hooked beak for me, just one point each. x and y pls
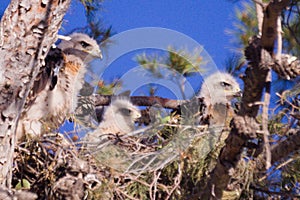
(97, 54)
(137, 115)
(238, 94)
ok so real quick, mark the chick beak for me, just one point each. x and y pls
(97, 54)
(238, 94)
(138, 115)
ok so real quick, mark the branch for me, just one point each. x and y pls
(242, 128)
(102, 100)
(273, 10)
(265, 120)
(281, 150)
(279, 40)
(259, 6)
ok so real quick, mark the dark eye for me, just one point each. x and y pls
(224, 84)
(125, 111)
(84, 44)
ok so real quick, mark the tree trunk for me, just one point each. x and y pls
(27, 30)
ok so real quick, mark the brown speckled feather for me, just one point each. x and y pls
(46, 76)
(55, 91)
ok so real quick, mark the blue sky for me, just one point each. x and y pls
(204, 21)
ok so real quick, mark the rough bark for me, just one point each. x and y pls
(27, 30)
(244, 125)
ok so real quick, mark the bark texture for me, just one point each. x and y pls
(27, 30)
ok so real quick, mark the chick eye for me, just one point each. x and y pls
(84, 44)
(125, 111)
(224, 84)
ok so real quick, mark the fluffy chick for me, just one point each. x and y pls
(118, 119)
(218, 90)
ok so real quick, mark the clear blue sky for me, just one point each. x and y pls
(204, 21)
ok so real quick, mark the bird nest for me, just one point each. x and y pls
(51, 167)
(151, 158)
(144, 150)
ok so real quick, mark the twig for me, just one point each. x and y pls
(267, 191)
(135, 178)
(265, 110)
(282, 99)
(278, 167)
(63, 37)
(153, 185)
(288, 23)
(126, 195)
(177, 181)
(279, 41)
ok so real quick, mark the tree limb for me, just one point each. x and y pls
(269, 29)
(102, 100)
(265, 120)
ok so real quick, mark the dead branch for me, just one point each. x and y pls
(177, 180)
(102, 100)
(269, 30)
(259, 6)
(265, 120)
(153, 185)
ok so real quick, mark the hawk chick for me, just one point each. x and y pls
(55, 90)
(218, 90)
(118, 119)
